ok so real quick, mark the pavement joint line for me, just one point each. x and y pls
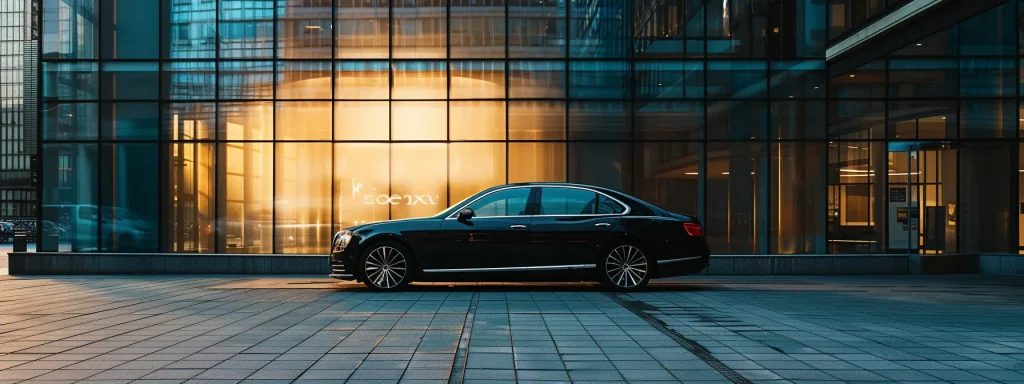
(458, 372)
(690, 345)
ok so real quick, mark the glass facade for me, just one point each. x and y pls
(230, 126)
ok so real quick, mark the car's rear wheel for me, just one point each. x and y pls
(387, 266)
(626, 268)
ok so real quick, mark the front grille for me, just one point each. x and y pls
(338, 270)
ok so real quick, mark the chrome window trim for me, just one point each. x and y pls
(678, 260)
(455, 214)
(513, 269)
(624, 205)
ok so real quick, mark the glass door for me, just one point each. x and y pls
(922, 200)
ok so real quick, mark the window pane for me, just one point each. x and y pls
(510, 202)
(130, 121)
(418, 179)
(737, 120)
(536, 79)
(245, 121)
(304, 29)
(478, 28)
(477, 120)
(798, 119)
(800, 208)
(599, 120)
(246, 29)
(303, 80)
(70, 197)
(599, 80)
(188, 216)
(988, 78)
(867, 81)
(737, 79)
(419, 120)
(737, 182)
(73, 33)
(246, 205)
(856, 197)
(70, 81)
(478, 80)
(302, 204)
(922, 119)
(669, 80)
(363, 30)
(536, 162)
(67, 121)
(246, 80)
(659, 29)
(361, 120)
(130, 29)
(361, 80)
(474, 167)
(600, 29)
(668, 175)
(536, 120)
(189, 121)
(989, 211)
(602, 164)
(669, 120)
(303, 120)
(419, 80)
(189, 81)
(922, 78)
(130, 81)
(536, 28)
(731, 31)
(798, 79)
(567, 201)
(190, 31)
(129, 188)
(361, 183)
(988, 119)
(990, 33)
(856, 119)
(420, 30)
(607, 206)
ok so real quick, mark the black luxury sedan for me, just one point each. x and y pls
(526, 232)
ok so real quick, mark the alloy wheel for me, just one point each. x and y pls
(385, 267)
(626, 266)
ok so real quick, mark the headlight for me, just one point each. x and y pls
(341, 241)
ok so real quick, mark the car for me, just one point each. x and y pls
(526, 232)
(6, 231)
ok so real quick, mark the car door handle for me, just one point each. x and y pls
(602, 225)
(517, 226)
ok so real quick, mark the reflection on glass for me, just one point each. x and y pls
(917, 78)
(420, 80)
(362, 187)
(189, 80)
(70, 197)
(602, 164)
(856, 206)
(70, 121)
(856, 119)
(736, 185)
(599, 80)
(420, 29)
(130, 81)
(363, 30)
(988, 118)
(798, 119)
(536, 28)
(668, 80)
(990, 33)
(129, 120)
(190, 32)
(600, 29)
(419, 185)
(474, 167)
(736, 79)
(129, 189)
(536, 79)
(361, 80)
(70, 29)
(419, 120)
(189, 121)
(669, 176)
(922, 119)
(659, 29)
(188, 216)
(130, 29)
(246, 80)
(738, 28)
(245, 121)
(478, 80)
(477, 28)
(536, 120)
(477, 120)
(246, 205)
(303, 120)
(599, 120)
(799, 79)
(536, 162)
(508, 202)
(988, 78)
(989, 165)
(361, 120)
(302, 200)
(303, 80)
(799, 206)
(304, 29)
(669, 120)
(737, 120)
(246, 29)
(71, 81)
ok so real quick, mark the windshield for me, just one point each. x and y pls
(451, 208)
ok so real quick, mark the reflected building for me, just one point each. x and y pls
(19, 61)
(231, 126)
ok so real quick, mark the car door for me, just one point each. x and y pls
(495, 237)
(571, 225)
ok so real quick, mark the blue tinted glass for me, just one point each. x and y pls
(916, 78)
(988, 119)
(70, 121)
(729, 29)
(130, 30)
(536, 28)
(246, 29)
(668, 79)
(693, 25)
(601, 164)
(867, 81)
(990, 33)
(798, 119)
(70, 197)
(189, 80)
(669, 120)
(246, 80)
(70, 81)
(737, 120)
(130, 81)
(737, 79)
(536, 79)
(988, 77)
(599, 120)
(69, 29)
(130, 121)
(600, 29)
(797, 79)
(129, 193)
(599, 80)
(190, 31)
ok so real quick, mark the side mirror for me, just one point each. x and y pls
(466, 214)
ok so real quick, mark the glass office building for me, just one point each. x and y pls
(230, 126)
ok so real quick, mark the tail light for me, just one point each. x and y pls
(693, 229)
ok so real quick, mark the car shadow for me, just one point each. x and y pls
(537, 287)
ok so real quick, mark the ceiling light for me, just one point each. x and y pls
(853, 75)
(313, 27)
(725, 173)
(919, 44)
(692, 173)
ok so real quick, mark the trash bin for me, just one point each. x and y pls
(20, 241)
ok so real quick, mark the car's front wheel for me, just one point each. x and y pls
(387, 266)
(626, 268)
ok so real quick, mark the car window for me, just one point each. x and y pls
(607, 206)
(509, 202)
(567, 201)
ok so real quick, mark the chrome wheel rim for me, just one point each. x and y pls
(626, 266)
(385, 267)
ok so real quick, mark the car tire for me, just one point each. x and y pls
(625, 267)
(387, 266)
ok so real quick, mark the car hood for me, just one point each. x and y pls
(371, 226)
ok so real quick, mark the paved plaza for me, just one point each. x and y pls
(171, 329)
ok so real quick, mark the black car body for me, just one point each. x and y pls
(529, 231)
